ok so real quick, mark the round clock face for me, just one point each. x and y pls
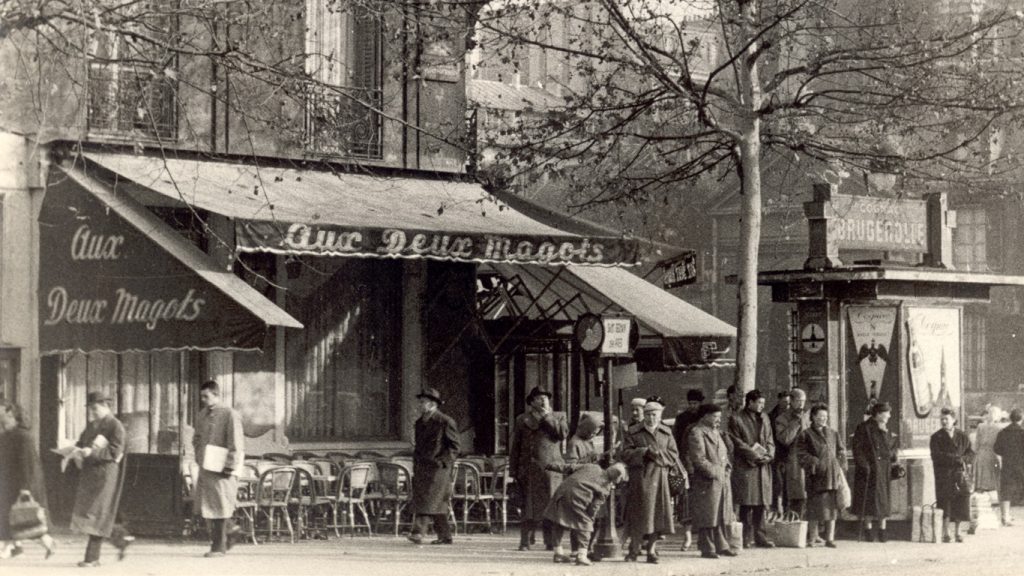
(589, 332)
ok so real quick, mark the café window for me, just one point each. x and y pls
(344, 368)
(131, 82)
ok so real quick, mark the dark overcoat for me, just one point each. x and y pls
(751, 481)
(822, 456)
(216, 493)
(101, 479)
(536, 442)
(951, 455)
(684, 421)
(874, 452)
(1010, 447)
(648, 458)
(710, 485)
(579, 498)
(788, 427)
(437, 447)
(20, 469)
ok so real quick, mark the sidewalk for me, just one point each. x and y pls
(992, 553)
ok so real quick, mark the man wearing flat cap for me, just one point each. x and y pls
(99, 451)
(437, 447)
(536, 443)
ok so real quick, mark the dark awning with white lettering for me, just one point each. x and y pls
(114, 277)
(302, 211)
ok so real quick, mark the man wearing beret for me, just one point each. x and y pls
(536, 443)
(437, 447)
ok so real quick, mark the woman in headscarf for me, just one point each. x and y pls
(20, 469)
(951, 455)
(874, 453)
(649, 452)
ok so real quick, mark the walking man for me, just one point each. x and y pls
(437, 447)
(788, 426)
(220, 451)
(754, 449)
(98, 452)
(536, 443)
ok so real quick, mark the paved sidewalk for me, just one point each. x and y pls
(989, 553)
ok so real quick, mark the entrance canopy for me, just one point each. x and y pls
(674, 335)
(115, 278)
(287, 210)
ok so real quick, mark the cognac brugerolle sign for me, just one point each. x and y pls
(106, 286)
(871, 223)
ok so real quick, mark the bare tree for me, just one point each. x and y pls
(661, 92)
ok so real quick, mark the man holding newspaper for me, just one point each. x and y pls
(220, 452)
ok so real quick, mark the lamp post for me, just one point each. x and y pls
(607, 545)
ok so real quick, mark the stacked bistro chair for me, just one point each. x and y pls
(309, 501)
(352, 488)
(245, 504)
(330, 470)
(394, 481)
(273, 495)
(468, 491)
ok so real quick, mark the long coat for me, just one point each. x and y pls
(680, 428)
(950, 457)
(437, 447)
(986, 467)
(751, 481)
(649, 457)
(1010, 447)
(822, 456)
(20, 469)
(216, 493)
(101, 479)
(579, 498)
(874, 452)
(788, 427)
(535, 444)
(710, 485)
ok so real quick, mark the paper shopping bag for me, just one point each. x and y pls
(735, 534)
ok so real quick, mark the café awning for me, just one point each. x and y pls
(306, 211)
(115, 278)
(674, 334)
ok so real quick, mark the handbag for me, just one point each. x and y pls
(27, 518)
(964, 482)
(897, 471)
(844, 498)
(676, 482)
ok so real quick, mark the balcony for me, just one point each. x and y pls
(127, 101)
(346, 124)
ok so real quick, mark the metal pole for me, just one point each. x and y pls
(607, 545)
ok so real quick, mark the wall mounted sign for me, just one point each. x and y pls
(679, 270)
(618, 336)
(812, 338)
(871, 223)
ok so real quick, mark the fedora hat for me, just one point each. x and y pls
(537, 391)
(97, 398)
(430, 394)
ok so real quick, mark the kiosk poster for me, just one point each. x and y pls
(933, 367)
(872, 328)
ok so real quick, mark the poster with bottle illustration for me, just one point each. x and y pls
(933, 359)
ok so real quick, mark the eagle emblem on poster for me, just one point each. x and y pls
(872, 328)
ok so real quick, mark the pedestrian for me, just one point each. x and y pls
(636, 416)
(680, 428)
(1010, 449)
(782, 405)
(951, 457)
(580, 448)
(20, 470)
(536, 442)
(710, 483)
(433, 461)
(220, 452)
(821, 453)
(986, 467)
(99, 452)
(733, 406)
(575, 505)
(874, 453)
(783, 401)
(787, 427)
(650, 454)
(754, 451)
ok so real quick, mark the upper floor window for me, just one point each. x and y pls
(344, 65)
(131, 79)
(970, 240)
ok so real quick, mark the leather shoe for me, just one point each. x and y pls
(652, 559)
(830, 544)
(765, 544)
(415, 539)
(709, 555)
(729, 553)
(442, 541)
(562, 559)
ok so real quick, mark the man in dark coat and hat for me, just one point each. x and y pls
(219, 436)
(99, 451)
(754, 451)
(437, 447)
(536, 443)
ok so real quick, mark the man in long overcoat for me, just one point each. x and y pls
(649, 452)
(1010, 449)
(575, 504)
(536, 443)
(788, 426)
(433, 461)
(710, 484)
(99, 451)
(754, 450)
(218, 427)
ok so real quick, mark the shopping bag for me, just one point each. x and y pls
(982, 515)
(843, 496)
(789, 531)
(27, 518)
(927, 524)
(735, 535)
